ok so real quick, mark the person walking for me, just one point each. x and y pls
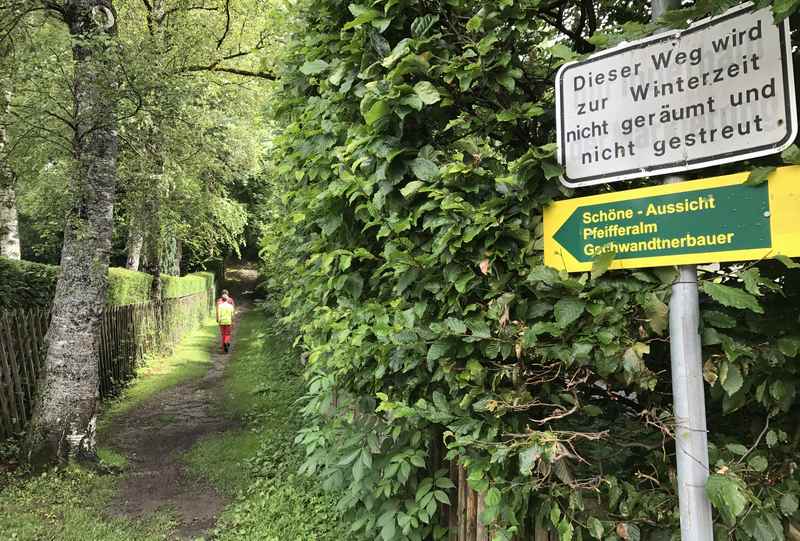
(225, 311)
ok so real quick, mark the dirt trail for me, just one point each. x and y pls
(156, 433)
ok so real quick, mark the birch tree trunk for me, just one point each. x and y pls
(9, 224)
(135, 244)
(63, 427)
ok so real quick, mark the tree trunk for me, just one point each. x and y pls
(9, 226)
(63, 426)
(135, 243)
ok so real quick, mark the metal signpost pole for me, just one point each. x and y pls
(691, 443)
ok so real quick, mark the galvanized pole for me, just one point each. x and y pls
(691, 443)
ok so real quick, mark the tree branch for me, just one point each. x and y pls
(234, 71)
(227, 24)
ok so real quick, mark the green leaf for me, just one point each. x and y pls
(731, 378)
(737, 449)
(727, 496)
(759, 175)
(427, 92)
(720, 320)
(437, 350)
(772, 439)
(424, 168)
(568, 310)
(455, 325)
(788, 263)
(551, 170)
(758, 463)
(474, 23)
(411, 188)
(596, 529)
(657, 313)
(493, 497)
(528, 458)
(378, 110)
(423, 24)
(731, 296)
(789, 504)
(314, 67)
(601, 263)
(791, 155)
(789, 345)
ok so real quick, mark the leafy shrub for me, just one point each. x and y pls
(25, 284)
(174, 286)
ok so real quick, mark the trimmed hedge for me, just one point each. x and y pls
(174, 286)
(128, 287)
(24, 284)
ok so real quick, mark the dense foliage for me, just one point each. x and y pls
(414, 158)
(24, 284)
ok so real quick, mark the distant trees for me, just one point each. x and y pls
(150, 108)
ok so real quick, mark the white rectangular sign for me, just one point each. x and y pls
(720, 91)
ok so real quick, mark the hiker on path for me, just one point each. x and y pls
(225, 311)
(225, 295)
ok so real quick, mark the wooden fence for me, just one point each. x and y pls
(466, 505)
(128, 334)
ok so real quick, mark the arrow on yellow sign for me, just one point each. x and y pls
(702, 221)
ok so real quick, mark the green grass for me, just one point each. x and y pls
(258, 462)
(109, 457)
(71, 505)
(191, 359)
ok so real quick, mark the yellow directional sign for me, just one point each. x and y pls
(701, 221)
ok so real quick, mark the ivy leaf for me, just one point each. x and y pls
(424, 168)
(568, 310)
(313, 67)
(601, 263)
(731, 296)
(727, 496)
(427, 92)
(789, 504)
(759, 175)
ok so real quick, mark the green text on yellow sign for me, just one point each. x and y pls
(702, 221)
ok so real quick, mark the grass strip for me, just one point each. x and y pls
(258, 462)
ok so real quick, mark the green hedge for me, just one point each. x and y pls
(24, 284)
(128, 287)
(174, 286)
